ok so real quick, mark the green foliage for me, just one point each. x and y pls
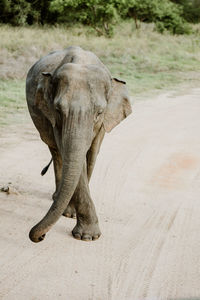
(165, 14)
(14, 12)
(99, 14)
(40, 12)
(169, 17)
(12, 101)
(102, 15)
(22, 12)
(191, 10)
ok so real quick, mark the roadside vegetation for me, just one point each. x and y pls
(101, 15)
(12, 102)
(145, 59)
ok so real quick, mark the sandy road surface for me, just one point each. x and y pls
(146, 187)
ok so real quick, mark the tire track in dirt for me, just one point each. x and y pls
(132, 286)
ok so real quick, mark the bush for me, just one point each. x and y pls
(14, 12)
(165, 14)
(22, 12)
(99, 14)
(170, 17)
(102, 15)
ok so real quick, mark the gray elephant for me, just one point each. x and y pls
(73, 101)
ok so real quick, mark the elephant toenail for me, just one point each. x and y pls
(77, 236)
(86, 238)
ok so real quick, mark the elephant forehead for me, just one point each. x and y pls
(83, 74)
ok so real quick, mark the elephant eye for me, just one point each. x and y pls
(99, 112)
(58, 107)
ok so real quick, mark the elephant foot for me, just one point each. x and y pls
(70, 211)
(86, 232)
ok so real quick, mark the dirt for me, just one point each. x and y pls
(146, 188)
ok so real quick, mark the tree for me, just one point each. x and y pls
(99, 14)
(191, 9)
(102, 15)
(40, 12)
(165, 14)
(14, 12)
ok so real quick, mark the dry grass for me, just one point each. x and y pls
(138, 56)
(12, 101)
(146, 59)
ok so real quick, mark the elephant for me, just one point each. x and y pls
(73, 101)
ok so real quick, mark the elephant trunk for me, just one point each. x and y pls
(75, 143)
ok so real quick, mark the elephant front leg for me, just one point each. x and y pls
(87, 227)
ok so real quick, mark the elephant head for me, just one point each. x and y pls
(79, 101)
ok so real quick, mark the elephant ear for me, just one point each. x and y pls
(43, 97)
(118, 107)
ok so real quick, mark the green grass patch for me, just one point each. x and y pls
(12, 101)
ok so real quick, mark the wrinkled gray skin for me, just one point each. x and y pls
(73, 101)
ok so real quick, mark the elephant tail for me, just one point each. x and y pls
(46, 168)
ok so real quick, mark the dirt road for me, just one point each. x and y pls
(146, 187)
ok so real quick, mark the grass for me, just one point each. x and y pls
(12, 101)
(144, 58)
